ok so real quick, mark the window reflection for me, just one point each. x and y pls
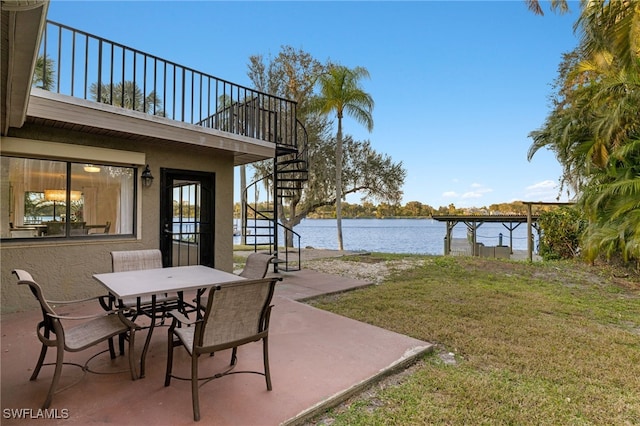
(47, 198)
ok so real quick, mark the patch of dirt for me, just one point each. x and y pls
(363, 259)
(363, 268)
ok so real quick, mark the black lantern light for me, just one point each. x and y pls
(147, 177)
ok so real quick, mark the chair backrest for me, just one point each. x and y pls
(256, 266)
(25, 278)
(55, 228)
(236, 313)
(24, 232)
(133, 260)
(78, 228)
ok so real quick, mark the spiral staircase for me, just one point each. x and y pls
(261, 225)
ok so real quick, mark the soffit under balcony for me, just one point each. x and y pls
(21, 26)
(60, 111)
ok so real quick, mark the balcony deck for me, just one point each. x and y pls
(87, 83)
(317, 360)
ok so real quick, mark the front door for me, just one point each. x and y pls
(186, 217)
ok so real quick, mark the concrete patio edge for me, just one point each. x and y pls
(410, 357)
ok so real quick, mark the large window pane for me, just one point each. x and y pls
(47, 198)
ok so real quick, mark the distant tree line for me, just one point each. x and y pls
(412, 209)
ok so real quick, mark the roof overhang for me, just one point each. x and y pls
(22, 24)
(61, 111)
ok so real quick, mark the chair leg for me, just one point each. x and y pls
(132, 361)
(265, 355)
(43, 353)
(56, 375)
(234, 356)
(194, 387)
(112, 350)
(121, 339)
(170, 347)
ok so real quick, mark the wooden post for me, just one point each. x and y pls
(529, 239)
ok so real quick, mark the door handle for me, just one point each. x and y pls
(166, 229)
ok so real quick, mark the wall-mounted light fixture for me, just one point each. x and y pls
(90, 168)
(147, 177)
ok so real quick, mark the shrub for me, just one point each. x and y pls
(560, 233)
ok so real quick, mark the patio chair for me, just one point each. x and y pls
(133, 260)
(89, 331)
(256, 267)
(236, 314)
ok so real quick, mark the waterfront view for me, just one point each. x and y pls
(420, 236)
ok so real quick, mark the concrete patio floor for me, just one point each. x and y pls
(317, 360)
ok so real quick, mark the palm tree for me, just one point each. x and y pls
(128, 95)
(43, 73)
(340, 93)
(534, 6)
(594, 129)
(612, 26)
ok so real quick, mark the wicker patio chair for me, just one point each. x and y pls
(90, 330)
(236, 314)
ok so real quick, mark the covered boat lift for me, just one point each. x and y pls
(473, 222)
(509, 221)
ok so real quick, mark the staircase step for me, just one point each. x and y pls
(292, 161)
(292, 180)
(293, 175)
(292, 172)
(285, 150)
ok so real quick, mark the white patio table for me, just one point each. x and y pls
(149, 282)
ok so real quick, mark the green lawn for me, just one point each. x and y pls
(534, 344)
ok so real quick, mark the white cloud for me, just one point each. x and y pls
(547, 190)
(544, 185)
(478, 190)
(472, 194)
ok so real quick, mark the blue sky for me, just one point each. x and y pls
(458, 86)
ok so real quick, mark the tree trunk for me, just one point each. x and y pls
(339, 183)
(243, 205)
(288, 236)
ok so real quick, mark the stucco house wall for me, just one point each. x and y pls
(65, 268)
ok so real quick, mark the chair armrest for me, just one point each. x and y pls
(180, 317)
(127, 321)
(87, 317)
(68, 302)
(106, 302)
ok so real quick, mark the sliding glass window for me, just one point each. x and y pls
(58, 199)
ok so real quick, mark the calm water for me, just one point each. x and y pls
(424, 236)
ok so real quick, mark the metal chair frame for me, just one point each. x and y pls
(236, 314)
(90, 331)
